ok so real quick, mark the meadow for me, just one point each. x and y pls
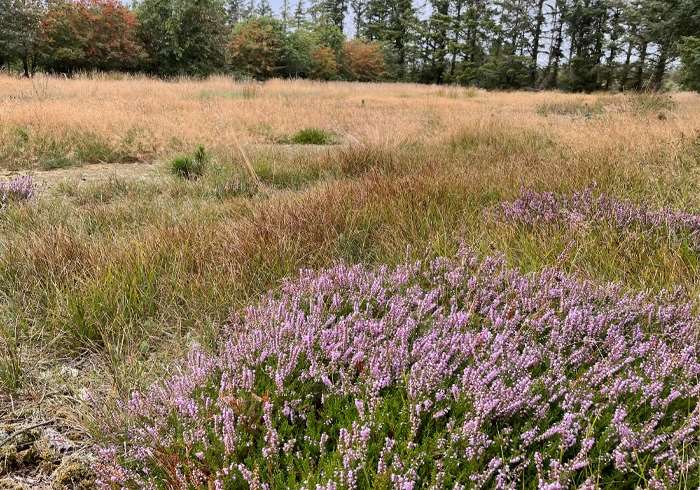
(543, 243)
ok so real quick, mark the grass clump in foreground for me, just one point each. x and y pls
(311, 136)
(190, 167)
(447, 373)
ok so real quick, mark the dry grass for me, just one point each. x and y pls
(89, 120)
(116, 269)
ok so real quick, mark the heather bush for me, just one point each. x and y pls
(21, 188)
(451, 373)
(585, 208)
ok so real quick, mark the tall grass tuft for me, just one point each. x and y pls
(311, 136)
(190, 167)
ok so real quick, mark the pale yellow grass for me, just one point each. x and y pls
(165, 117)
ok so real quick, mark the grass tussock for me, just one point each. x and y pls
(190, 167)
(311, 136)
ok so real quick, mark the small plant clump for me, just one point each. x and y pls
(311, 136)
(452, 373)
(190, 167)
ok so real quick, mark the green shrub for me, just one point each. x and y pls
(190, 167)
(311, 136)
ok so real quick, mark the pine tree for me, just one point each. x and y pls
(264, 9)
(359, 11)
(332, 11)
(299, 15)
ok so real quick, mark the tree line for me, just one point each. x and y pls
(577, 45)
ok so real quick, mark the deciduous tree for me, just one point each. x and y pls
(90, 35)
(183, 37)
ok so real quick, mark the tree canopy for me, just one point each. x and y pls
(576, 45)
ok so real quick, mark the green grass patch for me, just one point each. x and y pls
(287, 175)
(311, 136)
(190, 167)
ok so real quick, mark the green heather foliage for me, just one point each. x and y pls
(651, 103)
(442, 374)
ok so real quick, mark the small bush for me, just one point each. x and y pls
(190, 167)
(311, 136)
(92, 148)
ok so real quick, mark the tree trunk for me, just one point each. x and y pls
(660, 68)
(613, 50)
(25, 65)
(441, 44)
(639, 77)
(453, 59)
(555, 53)
(539, 20)
(626, 67)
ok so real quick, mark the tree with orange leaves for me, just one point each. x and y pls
(90, 35)
(363, 61)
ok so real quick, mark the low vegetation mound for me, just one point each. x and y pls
(585, 208)
(311, 136)
(452, 373)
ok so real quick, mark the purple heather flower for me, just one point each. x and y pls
(508, 368)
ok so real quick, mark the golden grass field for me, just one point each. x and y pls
(117, 266)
